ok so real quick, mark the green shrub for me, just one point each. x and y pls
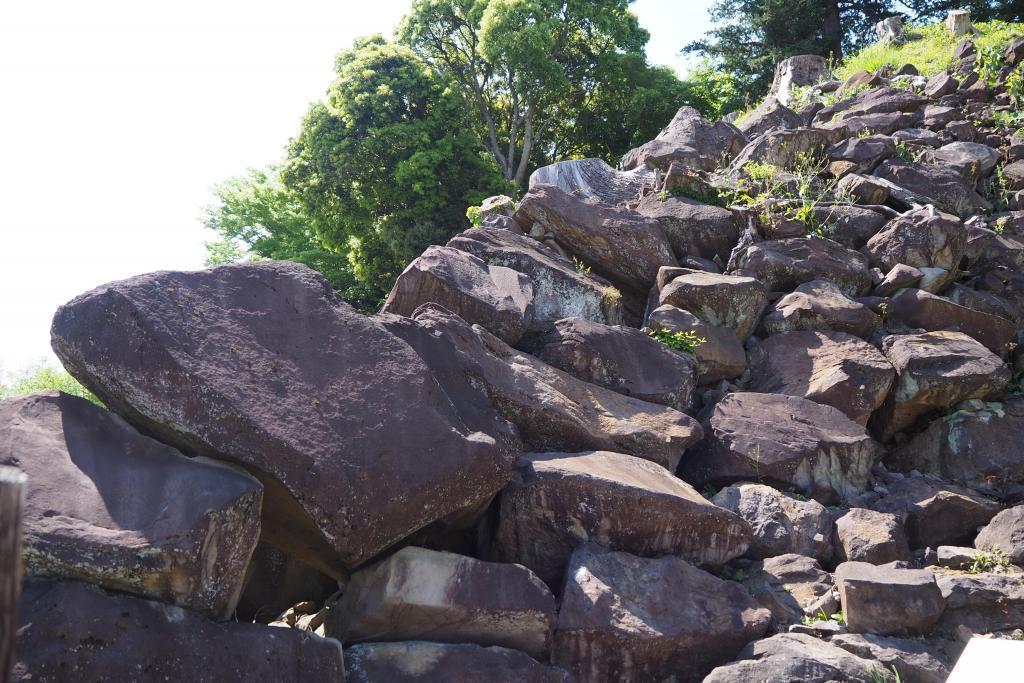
(473, 214)
(687, 341)
(42, 377)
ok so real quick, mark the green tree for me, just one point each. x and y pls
(981, 10)
(387, 165)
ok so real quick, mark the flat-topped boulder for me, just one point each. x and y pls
(936, 513)
(107, 505)
(615, 622)
(558, 501)
(819, 305)
(793, 657)
(918, 309)
(946, 186)
(973, 160)
(781, 523)
(781, 440)
(864, 535)
(914, 660)
(690, 139)
(982, 602)
(692, 228)
(923, 239)
(420, 594)
(424, 661)
(721, 356)
(261, 364)
(865, 152)
(783, 265)
(888, 601)
(496, 297)
(783, 148)
(769, 114)
(728, 301)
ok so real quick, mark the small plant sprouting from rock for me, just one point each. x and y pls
(880, 676)
(821, 615)
(679, 340)
(992, 560)
(473, 214)
(581, 267)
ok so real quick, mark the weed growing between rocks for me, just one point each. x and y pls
(991, 560)
(687, 341)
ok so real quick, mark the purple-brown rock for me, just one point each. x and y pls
(819, 305)
(888, 601)
(721, 356)
(783, 265)
(1005, 532)
(924, 238)
(692, 228)
(917, 309)
(690, 139)
(868, 536)
(719, 300)
(781, 523)
(442, 662)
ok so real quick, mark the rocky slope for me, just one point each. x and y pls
(744, 410)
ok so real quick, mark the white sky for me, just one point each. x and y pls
(117, 117)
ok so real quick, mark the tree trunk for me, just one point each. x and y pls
(833, 29)
(12, 494)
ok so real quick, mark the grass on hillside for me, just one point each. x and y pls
(42, 377)
(929, 48)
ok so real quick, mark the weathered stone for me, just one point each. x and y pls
(1013, 175)
(719, 300)
(692, 228)
(782, 148)
(831, 368)
(883, 100)
(1014, 52)
(850, 226)
(950, 191)
(437, 662)
(783, 265)
(890, 30)
(799, 70)
(868, 536)
(885, 123)
(498, 205)
(863, 189)
(793, 657)
(1006, 533)
(921, 137)
(937, 116)
(918, 309)
(263, 365)
(690, 139)
(782, 440)
(888, 601)
(107, 505)
(915, 661)
(866, 152)
(560, 290)
(923, 238)
(552, 410)
(974, 161)
(622, 359)
(936, 514)
(982, 602)
(792, 587)
(899, 276)
(769, 114)
(819, 305)
(940, 85)
(955, 557)
(935, 371)
(594, 179)
(780, 523)
(615, 623)
(419, 594)
(275, 581)
(498, 298)
(74, 631)
(558, 501)
(721, 356)
(619, 244)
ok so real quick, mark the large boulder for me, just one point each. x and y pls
(419, 594)
(1005, 532)
(692, 228)
(914, 660)
(689, 139)
(595, 179)
(721, 356)
(948, 188)
(973, 160)
(622, 359)
(783, 265)
(781, 523)
(794, 657)
(615, 622)
(864, 535)
(560, 290)
(427, 662)
(888, 601)
(934, 513)
(819, 305)
(558, 501)
(783, 148)
(924, 239)
(797, 71)
(263, 365)
(873, 101)
(832, 368)
(917, 309)
(782, 440)
(110, 506)
(719, 300)
(552, 410)
(618, 244)
(793, 587)
(935, 371)
(865, 152)
(74, 631)
(850, 226)
(982, 602)
(769, 114)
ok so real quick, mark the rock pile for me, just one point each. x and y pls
(644, 424)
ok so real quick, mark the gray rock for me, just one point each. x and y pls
(799, 70)
(888, 601)
(690, 139)
(922, 137)
(899, 276)
(780, 523)
(819, 305)
(769, 114)
(950, 191)
(935, 513)
(974, 161)
(721, 356)
(594, 179)
(436, 662)
(982, 602)
(793, 587)
(783, 265)
(868, 536)
(866, 152)
(915, 661)
(781, 148)
(794, 657)
(922, 239)
(1006, 533)
(940, 85)
(728, 301)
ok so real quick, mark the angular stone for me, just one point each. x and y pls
(622, 359)
(689, 139)
(850, 226)
(781, 148)
(780, 523)
(982, 602)
(883, 123)
(863, 189)
(781, 440)
(719, 300)
(819, 305)
(498, 298)
(937, 116)
(974, 161)
(558, 501)
(922, 137)
(423, 661)
(552, 410)
(950, 190)
(769, 114)
(795, 71)
(615, 623)
(419, 594)
(263, 365)
(940, 85)
(955, 557)
(936, 514)
(935, 371)
(793, 657)
(915, 661)
(560, 290)
(888, 601)
(831, 368)
(899, 276)
(783, 265)
(923, 238)
(692, 228)
(917, 309)
(594, 179)
(868, 536)
(874, 101)
(720, 357)
(74, 631)
(792, 587)
(866, 152)
(1013, 175)
(619, 244)
(1006, 533)
(107, 505)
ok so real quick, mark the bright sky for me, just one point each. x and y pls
(118, 116)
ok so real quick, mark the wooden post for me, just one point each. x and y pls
(958, 22)
(12, 496)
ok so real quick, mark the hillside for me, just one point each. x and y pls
(745, 408)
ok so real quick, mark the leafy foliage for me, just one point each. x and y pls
(992, 560)
(679, 340)
(43, 377)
